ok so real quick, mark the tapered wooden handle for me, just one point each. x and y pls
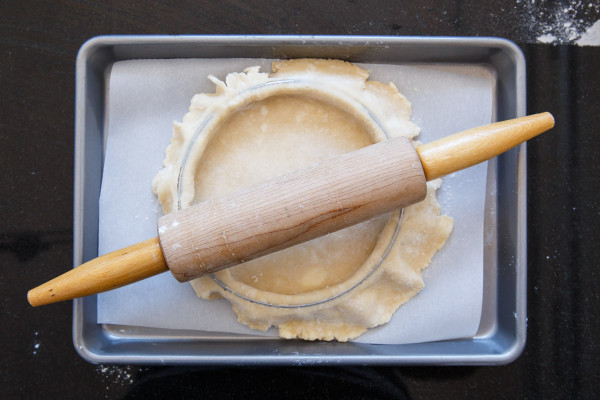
(113, 270)
(470, 147)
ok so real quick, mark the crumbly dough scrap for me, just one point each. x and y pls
(257, 126)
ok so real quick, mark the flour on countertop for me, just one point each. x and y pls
(36, 343)
(556, 23)
(118, 375)
(547, 38)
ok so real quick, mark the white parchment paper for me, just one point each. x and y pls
(146, 96)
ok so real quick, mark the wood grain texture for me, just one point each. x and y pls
(292, 209)
(119, 268)
(470, 147)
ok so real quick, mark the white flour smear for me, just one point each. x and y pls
(556, 23)
(591, 37)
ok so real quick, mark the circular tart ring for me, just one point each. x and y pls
(211, 125)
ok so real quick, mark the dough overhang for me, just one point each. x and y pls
(264, 125)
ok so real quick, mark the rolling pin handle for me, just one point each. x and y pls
(110, 271)
(473, 146)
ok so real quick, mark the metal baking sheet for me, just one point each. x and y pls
(501, 337)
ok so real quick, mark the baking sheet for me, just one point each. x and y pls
(145, 96)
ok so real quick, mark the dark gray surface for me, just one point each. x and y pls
(38, 44)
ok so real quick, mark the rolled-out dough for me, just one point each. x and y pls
(257, 126)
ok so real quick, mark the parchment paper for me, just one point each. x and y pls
(146, 96)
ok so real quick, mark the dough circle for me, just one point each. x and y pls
(257, 126)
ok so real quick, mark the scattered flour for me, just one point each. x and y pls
(36, 343)
(118, 375)
(560, 22)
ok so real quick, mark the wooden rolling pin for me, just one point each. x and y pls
(291, 209)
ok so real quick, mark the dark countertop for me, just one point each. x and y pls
(38, 45)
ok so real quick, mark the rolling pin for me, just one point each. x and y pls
(290, 209)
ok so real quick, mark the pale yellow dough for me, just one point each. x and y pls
(258, 126)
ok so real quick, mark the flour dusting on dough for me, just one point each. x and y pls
(264, 125)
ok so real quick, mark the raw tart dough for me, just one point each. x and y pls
(257, 126)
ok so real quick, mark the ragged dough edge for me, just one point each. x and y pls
(164, 184)
(423, 230)
(373, 303)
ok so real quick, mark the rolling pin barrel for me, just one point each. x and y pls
(291, 209)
